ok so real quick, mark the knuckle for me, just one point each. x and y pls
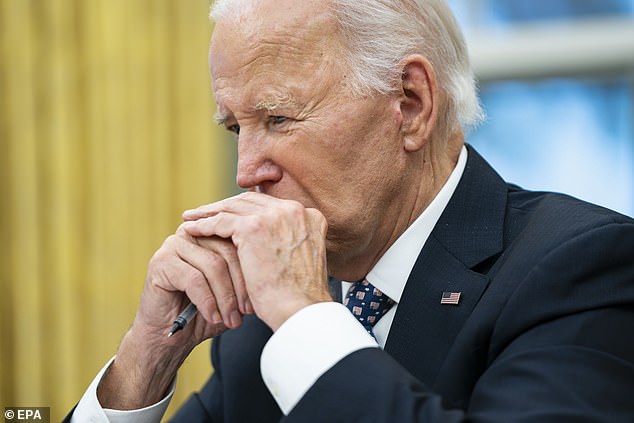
(154, 260)
(154, 280)
(214, 263)
(206, 242)
(158, 259)
(226, 248)
(316, 221)
(294, 207)
(322, 222)
(195, 278)
(171, 240)
(157, 277)
(170, 244)
(254, 224)
(208, 303)
(228, 300)
(181, 230)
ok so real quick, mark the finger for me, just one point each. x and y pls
(228, 252)
(174, 274)
(216, 272)
(318, 220)
(221, 224)
(239, 204)
(249, 306)
(226, 224)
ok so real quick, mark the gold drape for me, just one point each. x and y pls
(106, 136)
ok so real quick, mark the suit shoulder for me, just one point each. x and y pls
(549, 215)
(566, 258)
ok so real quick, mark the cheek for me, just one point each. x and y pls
(332, 160)
(375, 143)
(316, 170)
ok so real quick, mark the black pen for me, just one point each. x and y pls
(185, 317)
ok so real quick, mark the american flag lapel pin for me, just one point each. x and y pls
(450, 298)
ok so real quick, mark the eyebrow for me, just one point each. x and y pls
(269, 104)
(221, 118)
(275, 103)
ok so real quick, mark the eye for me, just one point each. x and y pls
(234, 128)
(278, 120)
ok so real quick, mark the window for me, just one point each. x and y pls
(557, 82)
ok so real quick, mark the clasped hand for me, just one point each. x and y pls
(251, 253)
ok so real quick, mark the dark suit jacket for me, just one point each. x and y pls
(543, 331)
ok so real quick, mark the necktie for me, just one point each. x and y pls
(367, 303)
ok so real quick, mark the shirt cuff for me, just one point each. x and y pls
(306, 346)
(89, 409)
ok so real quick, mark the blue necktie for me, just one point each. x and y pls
(367, 303)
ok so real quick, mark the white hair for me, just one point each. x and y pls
(380, 34)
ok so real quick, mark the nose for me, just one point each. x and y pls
(255, 166)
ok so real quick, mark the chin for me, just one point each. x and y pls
(339, 262)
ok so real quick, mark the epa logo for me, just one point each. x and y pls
(27, 414)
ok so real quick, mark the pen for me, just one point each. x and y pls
(185, 317)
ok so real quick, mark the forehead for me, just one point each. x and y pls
(273, 44)
(258, 18)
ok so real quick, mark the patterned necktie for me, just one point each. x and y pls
(367, 303)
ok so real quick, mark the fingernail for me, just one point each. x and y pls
(249, 306)
(215, 317)
(236, 319)
(188, 213)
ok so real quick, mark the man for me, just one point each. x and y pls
(475, 300)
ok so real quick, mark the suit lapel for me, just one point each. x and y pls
(334, 286)
(469, 231)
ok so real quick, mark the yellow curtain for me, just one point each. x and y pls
(106, 136)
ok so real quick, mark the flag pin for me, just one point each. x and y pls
(450, 298)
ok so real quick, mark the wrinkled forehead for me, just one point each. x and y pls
(272, 53)
(276, 27)
(293, 23)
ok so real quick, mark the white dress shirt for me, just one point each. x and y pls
(89, 410)
(317, 337)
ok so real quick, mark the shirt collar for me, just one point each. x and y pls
(391, 272)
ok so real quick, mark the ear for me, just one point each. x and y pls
(419, 102)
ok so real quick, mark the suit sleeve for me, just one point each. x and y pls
(235, 392)
(560, 350)
(206, 405)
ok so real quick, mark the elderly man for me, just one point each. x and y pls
(474, 300)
